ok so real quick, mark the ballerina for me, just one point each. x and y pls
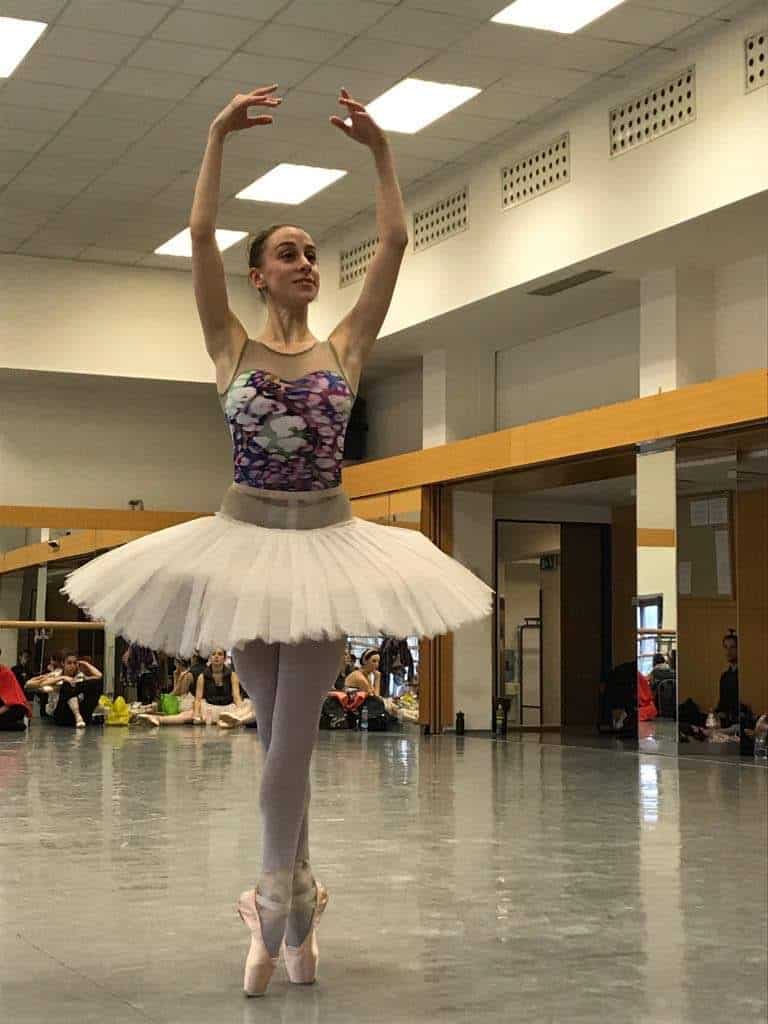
(265, 576)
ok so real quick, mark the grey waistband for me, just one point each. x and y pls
(286, 510)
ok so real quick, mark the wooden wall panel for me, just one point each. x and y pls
(624, 583)
(752, 596)
(581, 622)
(701, 625)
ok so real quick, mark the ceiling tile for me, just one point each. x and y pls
(363, 85)
(115, 104)
(430, 145)
(27, 118)
(546, 81)
(510, 43)
(66, 144)
(502, 101)
(294, 42)
(83, 168)
(146, 82)
(84, 74)
(120, 190)
(62, 185)
(127, 171)
(104, 128)
(187, 26)
(136, 19)
(40, 246)
(350, 16)
(35, 10)
(307, 104)
(480, 10)
(94, 253)
(590, 54)
(82, 44)
(242, 67)
(632, 23)
(460, 125)
(22, 141)
(256, 9)
(384, 57)
(11, 161)
(421, 28)
(464, 69)
(188, 59)
(22, 197)
(16, 93)
(31, 218)
(698, 7)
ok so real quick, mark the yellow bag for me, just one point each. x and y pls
(118, 712)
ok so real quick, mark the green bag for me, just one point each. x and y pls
(169, 704)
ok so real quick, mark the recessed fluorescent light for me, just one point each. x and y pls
(414, 103)
(181, 244)
(290, 183)
(17, 37)
(555, 15)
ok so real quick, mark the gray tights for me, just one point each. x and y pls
(287, 684)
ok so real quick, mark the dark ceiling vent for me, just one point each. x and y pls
(570, 282)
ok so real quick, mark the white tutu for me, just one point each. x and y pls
(218, 582)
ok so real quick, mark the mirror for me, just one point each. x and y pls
(656, 607)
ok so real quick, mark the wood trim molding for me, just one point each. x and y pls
(44, 624)
(655, 538)
(36, 517)
(81, 543)
(713, 405)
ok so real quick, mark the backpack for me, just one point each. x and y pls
(666, 698)
(332, 714)
(378, 718)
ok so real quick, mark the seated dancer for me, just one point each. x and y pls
(81, 685)
(216, 692)
(15, 711)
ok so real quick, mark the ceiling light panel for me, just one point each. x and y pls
(414, 103)
(181, 244)
(555, 15)
(17, 37)
(290, 183)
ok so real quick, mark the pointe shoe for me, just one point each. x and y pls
(146, 719)
(301, 962)
(231, 719)
(259, 965)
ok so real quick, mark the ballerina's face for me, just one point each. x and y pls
(218, 657)
(288, 272)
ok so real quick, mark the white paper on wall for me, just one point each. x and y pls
(723, 562)
(684, 578)
(718, 510)
(700, 512)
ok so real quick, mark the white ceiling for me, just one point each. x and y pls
(103, 125)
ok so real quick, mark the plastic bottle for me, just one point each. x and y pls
(761, 739)
(364, 719)
(459, 723)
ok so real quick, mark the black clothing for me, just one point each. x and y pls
(728, 704)
(219, 696)
(13, 719)
(22, 674)
(86, 690)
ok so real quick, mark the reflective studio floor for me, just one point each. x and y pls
(470, 879)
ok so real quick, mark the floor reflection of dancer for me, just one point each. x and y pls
(287, 683)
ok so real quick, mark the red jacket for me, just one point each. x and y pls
(10, 691)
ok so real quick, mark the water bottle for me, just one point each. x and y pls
(459, 723)
(364, 719)
(761, 739)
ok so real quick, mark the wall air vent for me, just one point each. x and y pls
(570, 282)
(659, 111)
(756, 61)
(538, 172)
(353, 262)
(441, 220)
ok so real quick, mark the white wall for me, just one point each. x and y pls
(581, 368)
(394, 410)
(96, 442)
(716, 160)
(741, 316)
(473, 644)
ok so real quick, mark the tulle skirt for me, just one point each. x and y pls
(278, 566)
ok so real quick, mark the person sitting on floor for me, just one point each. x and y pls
(217, 698)
(79, 692)
(366, 678)
(14, 709)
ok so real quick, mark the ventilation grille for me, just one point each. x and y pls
(353, 262)
(538, 172)
(661, 110)
(756, 61)
(442, 219)
(570, 282)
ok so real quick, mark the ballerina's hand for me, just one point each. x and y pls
(359, 126)
(237, 114)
